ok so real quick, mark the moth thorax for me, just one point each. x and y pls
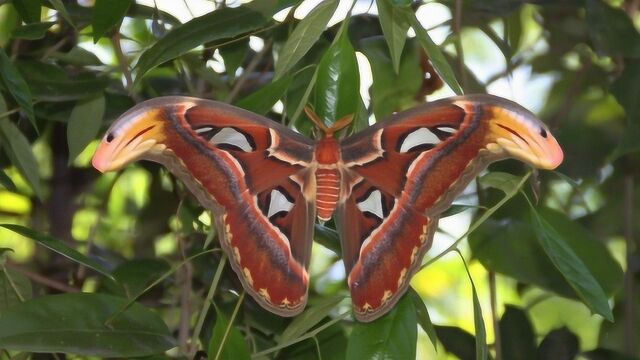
(327, 192)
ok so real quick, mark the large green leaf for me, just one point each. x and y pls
(457, 341)
(394, 26)
(29, 10)
(262, 100)
(612, 30)
(219, 24)
(518, 338)
(511, 248)
(14, 287)
(18, 150)
(423, 317)
(391, 92)
(336, 90)
(106, 15)
(17, 87)
(49, 82)
(74, 323)
(227, 342)
(436, 57)
(59, 247)
(32, 31)
(83, 125)
(393, 336)
(570, 265)
(306, 33)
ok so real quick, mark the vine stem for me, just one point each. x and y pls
(227, 330)
(207, 301)
(493, 294)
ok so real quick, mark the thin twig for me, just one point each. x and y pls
(247, 71)
(493, 293)
(122, 61)
(14, 287)
(227, 330)
(306, 336)
(207, 303)
(39, 279)
(458, 42)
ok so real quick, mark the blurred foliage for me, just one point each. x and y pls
(126, 265)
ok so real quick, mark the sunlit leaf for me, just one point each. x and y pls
(309, 318)
(394, 26)
(32, 31)
(59, 247)
(17, 87)
(262, 101)
(74, 323)
(392, 336)
(219, 24)
(306, 33)
(336, 90)
(7, 182)
(106, 15)
(18, 150)
(571, 267)
(227, 342)
(84, 124)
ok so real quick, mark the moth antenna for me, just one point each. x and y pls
(316, 119)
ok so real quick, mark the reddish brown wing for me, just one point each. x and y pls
(402, 173)
(249, 170)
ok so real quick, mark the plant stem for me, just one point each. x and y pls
(229, 325)
(207, 301)
(493, 293)
(629, 276)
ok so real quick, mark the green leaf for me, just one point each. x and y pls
(391, 92)
(77, 56)
(309, 318)
(394, 27)
(50, 82)
(423, 317)
(106, 15)
(19, 152)
(6, 181)
(306, 33)
(59, 247)
(570, 265)
(457, 341)
(327, 237)
(16, 86)
(29, 10)
(33, 31)
(626, 89)
(611, 30)
(233, 55)
(505, 182)
(135, 275)
(10, 283)
(220, 24)
(393, 336)
(518, 338)
(559, 344)
(83, 125)
(226, 341)
(436, 57)
(62, 10)
(261, 101)
(337, 86)
(482, 351)
(74, 323)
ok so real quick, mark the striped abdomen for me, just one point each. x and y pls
(327, 192)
